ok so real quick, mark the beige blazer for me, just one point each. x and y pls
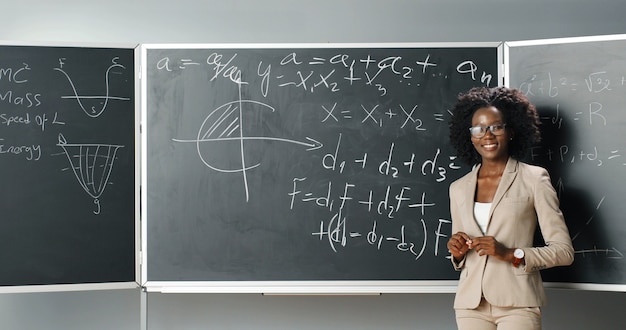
(524, 199)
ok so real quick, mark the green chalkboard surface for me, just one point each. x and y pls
(302, 162)
(67, 160)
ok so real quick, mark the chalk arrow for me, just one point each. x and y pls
(311, 144)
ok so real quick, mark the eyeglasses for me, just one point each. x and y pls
(480, 131)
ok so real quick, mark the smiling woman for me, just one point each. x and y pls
(496, 209)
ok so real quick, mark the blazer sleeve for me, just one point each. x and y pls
(558, 249)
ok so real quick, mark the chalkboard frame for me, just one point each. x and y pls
(284, 287)
(509, 47)
(88, 286)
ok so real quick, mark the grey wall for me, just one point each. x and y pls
(209, 21)
(155, 21)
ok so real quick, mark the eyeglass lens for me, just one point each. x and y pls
(480, 131)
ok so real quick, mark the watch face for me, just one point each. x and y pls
(518, 253)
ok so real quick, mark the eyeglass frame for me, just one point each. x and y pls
(491, 129)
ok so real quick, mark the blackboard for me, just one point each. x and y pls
(579, 87)
(68, 160)
(301, 163)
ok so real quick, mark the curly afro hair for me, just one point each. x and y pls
(519, 115)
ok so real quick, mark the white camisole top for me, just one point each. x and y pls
(481, 214)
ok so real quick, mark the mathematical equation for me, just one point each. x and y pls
(564, 154)
(554, 85)
(378, 202)
(366, 132)
(340, 70)
(336, 233)
(591, 103)
(378, 115)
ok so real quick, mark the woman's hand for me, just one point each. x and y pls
(488, 245)
(458, 245)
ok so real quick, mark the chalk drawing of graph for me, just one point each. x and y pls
(91, 164)
(224, 125)
(100, 101)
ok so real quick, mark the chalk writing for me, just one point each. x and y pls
(14, 78)
(13, 75)
(332, 75)
(590, 112)
(337, 152)
(29, 152)
(75, 199)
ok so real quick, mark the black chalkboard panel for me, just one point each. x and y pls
(579, 87)
(300, 163)
(67, 154)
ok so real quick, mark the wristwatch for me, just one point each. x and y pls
(519, 256)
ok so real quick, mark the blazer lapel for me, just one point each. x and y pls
(510, 171)
(468, 202)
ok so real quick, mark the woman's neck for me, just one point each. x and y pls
(492, 168)
(489, 176)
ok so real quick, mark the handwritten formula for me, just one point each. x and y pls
(344, 148)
